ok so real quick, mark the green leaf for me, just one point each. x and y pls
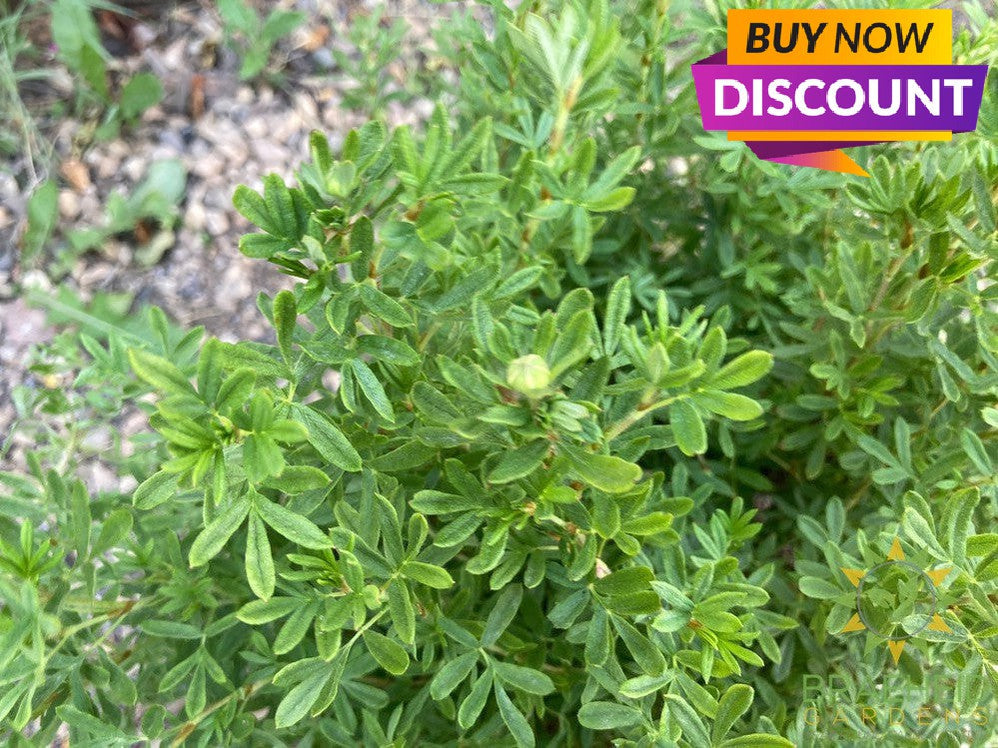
(81, 520)
(743, 370)
(262, 457)
(389, 654)
(606, 472)
(634, 603)
(729, 404)
(524, 678)
(458, 531)
(652, 523)
(474, 702)
(732, 705)
(213, 537)
(598, 638)
(517, 724)
(607, 715)
(259, 562)
(616, 199)
(389, 350)
(197, 694)
(372, 389)
(294, 527)
(281, 23)
(582, 234)
(519, 462)
(285, 318)
(688, 720)
(618, 306)
(757, 740)
(242, 356)
(958, 522)
(177, 673)
(171, 629)
(319, 149)
(902, 442)
(519, 282)
(643, 685)
(238, 15)
(428, 574)
(294, 629)
(410, 455)
(257, 612)
(713, 347)
(100, 729)
(982, 544)
(157, 489)
(974, 448)
(296, 704)
(573, 343)
(873, 447)
(287, 431)
(152, 721)
(819, 588)
(464, 152)
(296, 479)
(921, 532)
(235, 390)
(605, 515)
(462, 292)
(402, 612)
(141, 92)
(383, 306)
(433, 405)
(159, 373)
(645, 653)
(113, 531)
(451, 675)
(624, 581)
(502, 614)
(328, 440)
(94, 69)
(438, 502)
(613, 173)
(688, 428)
(43, 211)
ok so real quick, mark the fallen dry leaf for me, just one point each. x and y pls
(316, 38)
(196, 101)
(76, 174)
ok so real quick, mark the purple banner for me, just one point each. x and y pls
(838, 97)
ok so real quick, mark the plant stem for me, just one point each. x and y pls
(190, 725)
(636, 415)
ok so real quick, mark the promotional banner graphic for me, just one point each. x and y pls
(798, 85)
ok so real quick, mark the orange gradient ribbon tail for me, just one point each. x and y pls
(827, 160)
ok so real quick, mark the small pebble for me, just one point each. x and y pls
(194, 218)
(216, 223)
(69, 205)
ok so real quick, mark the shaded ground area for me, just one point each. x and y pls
(224, 132)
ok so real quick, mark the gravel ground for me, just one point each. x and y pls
(225, 132)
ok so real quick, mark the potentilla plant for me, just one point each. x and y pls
(431, 482)
(571, 423)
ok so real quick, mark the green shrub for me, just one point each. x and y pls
(489, 483)
(77, 40)
(253, 37)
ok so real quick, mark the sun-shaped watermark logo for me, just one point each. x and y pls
(896, 600)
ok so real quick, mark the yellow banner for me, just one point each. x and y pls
(840, 37)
